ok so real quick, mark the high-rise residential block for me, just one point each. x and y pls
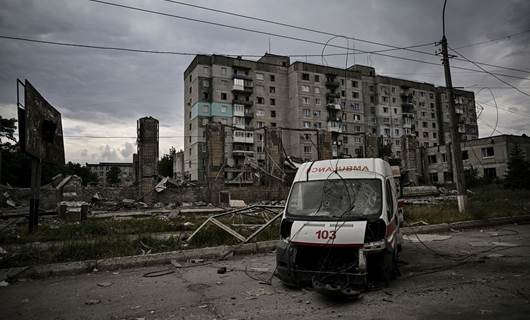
(313, 106)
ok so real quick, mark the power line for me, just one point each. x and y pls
(509, 36)
(409, 48)
(491, 73)
(496, 109)
(505, 109)
(287, 37)
(294, 26)
(113, 48)
(79, 45)
(100, 47)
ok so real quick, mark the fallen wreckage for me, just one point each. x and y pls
(341, 226)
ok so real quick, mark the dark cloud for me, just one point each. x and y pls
(104, 93)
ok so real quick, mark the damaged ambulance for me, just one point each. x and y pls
(341, 226)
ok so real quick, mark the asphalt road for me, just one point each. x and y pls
(478, 274)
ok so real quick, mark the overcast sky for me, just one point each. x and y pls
(103, 93)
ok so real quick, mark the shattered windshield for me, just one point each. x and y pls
(340, 198)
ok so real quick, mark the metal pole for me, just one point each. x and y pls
(455, 136)
(36, 170)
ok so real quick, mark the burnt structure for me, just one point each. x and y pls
(147, 158)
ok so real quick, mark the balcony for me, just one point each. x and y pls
(238, 123)
(334, 118)
(245, 102)
(332, 95)
(334, 106)
(242, 153)
(241, 76)
(332, 83)
(248, 114)
(334, 126)
(240, 136)
(407, 107)
(242, 86)
(407, 125)
(239, 111)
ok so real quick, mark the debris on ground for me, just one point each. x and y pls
(237, 203)
(128, 203)
(492, 244)
(418, 223)
(176, 264)
(188, 224)
(104, 284)
(494, 255)
(7, 201)
(221, 270)
(197, 260)
(91, 302)
(504, 244)
(4, 283)
(426, 237)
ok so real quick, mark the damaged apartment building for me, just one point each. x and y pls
(317, 111)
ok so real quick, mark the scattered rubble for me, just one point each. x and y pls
(237, 203)
(426, 237)
(176, 264)
(104, 284)
(7, 201)
(91, 302)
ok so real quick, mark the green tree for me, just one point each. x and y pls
(7, 129)
(7, 132)
(517, 170)
(83, 172)
(113, 176)
(165, 165)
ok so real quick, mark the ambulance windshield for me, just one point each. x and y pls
(337, 198)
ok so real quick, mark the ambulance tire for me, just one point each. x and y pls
(381, 267)
(387, 266)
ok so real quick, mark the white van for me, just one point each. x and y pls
(341, 224)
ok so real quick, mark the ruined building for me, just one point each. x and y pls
(146, 160)
(318, 112)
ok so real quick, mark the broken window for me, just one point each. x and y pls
(336, 198)
(487, 152)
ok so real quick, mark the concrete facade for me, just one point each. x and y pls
(302, 99)
(488, 155)
(101, 169)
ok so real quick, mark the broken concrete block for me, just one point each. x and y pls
(237, 203)
(128, 203)
(104, 284)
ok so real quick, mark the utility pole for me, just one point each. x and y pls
(455, 136)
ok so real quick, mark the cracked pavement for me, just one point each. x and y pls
(473, 274)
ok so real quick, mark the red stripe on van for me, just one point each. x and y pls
(338, 245)
(391, 226)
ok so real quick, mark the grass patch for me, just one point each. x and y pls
(93, 229)
(488, 201)
(99, 249)
(108, 238)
